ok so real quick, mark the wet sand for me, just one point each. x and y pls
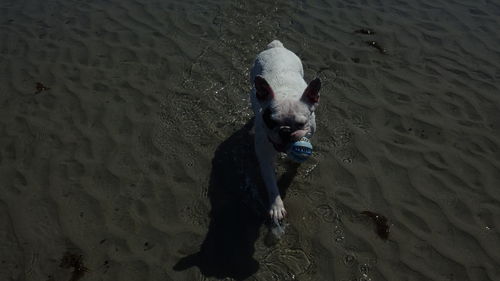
(131, 159)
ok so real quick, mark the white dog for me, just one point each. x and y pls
(284, 106)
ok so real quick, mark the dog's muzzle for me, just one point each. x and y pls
(285, 133)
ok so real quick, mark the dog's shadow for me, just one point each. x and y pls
(235, 219)
(237, 210)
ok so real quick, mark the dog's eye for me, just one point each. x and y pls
(270, 123)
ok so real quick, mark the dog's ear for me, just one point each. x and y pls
(311, 93)
(262, 89)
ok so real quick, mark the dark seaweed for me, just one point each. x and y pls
(366, 31)
(381, 223)
(74, 261)
(375, 45)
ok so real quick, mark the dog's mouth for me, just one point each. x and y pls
(283, 134)
(282, 143)
(280, 147)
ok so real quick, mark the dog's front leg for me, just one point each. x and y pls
(266, 156)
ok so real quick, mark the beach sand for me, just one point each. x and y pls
(126, 141)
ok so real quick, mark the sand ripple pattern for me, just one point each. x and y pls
(118, 159)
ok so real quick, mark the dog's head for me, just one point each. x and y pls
(286, 120)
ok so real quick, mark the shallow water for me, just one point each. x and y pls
(138, 155)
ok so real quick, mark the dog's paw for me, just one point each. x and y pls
(277, 210)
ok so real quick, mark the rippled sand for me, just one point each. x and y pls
(132, 159)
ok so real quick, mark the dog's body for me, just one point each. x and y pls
(284, 106)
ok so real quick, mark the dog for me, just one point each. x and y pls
(284, 105)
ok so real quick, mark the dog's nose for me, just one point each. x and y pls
(285, 133)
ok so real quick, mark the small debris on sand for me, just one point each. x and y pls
(376, 45)
(40, 88)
